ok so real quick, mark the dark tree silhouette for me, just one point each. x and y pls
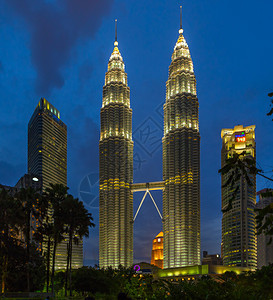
(78, 221)
(55, 195)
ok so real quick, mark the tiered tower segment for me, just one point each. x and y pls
(116, 168)
(181, 162)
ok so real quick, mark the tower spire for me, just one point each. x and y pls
(180, 30)
(116, 33)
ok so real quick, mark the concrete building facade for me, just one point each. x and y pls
(239, 240)
(47, 159)
(264, 249)
(157, 251)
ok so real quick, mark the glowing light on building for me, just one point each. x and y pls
(181, 162)
(157, 251)
(239, 241)
(116, 168)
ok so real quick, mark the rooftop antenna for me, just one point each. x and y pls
(116, 33)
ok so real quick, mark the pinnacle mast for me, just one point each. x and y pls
(116, 33)
(180, 20)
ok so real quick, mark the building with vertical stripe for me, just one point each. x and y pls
(47, 158)
(116, 168)
(181, 162)
(239, 240)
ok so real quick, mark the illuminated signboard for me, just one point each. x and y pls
(240, 137)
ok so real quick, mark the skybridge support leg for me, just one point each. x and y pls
(143, 198)
(155, 205)
(140, 204)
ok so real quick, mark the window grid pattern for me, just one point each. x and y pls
(116, 168)
(239, 240)
(47, 157)
(181, 163)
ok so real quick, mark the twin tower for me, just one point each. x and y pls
(181, 165)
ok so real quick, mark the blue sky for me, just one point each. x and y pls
(59, 50)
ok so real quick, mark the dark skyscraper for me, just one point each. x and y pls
(47, 158)
(47, 145)
(181, 162)
(116, 168)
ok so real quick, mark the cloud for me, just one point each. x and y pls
(55, 28)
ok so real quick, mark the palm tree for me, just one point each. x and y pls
(237, 167)
(78, 221)
(55, 195)
(44, 234)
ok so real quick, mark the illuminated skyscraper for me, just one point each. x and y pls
(239, 241)
(47, 158)
(116, 168)
(181, 162)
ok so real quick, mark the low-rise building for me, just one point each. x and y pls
(265, 250)
(211, 259)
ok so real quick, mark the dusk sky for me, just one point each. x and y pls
(60, 49)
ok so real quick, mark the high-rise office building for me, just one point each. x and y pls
(47, 158)
(47, 145)
(181, 162)
(157, 251)
(116, 168)
(239, 241)
(264, 249)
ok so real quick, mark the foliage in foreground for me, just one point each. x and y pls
(125, 284)
(31, 221)
(18, 265)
